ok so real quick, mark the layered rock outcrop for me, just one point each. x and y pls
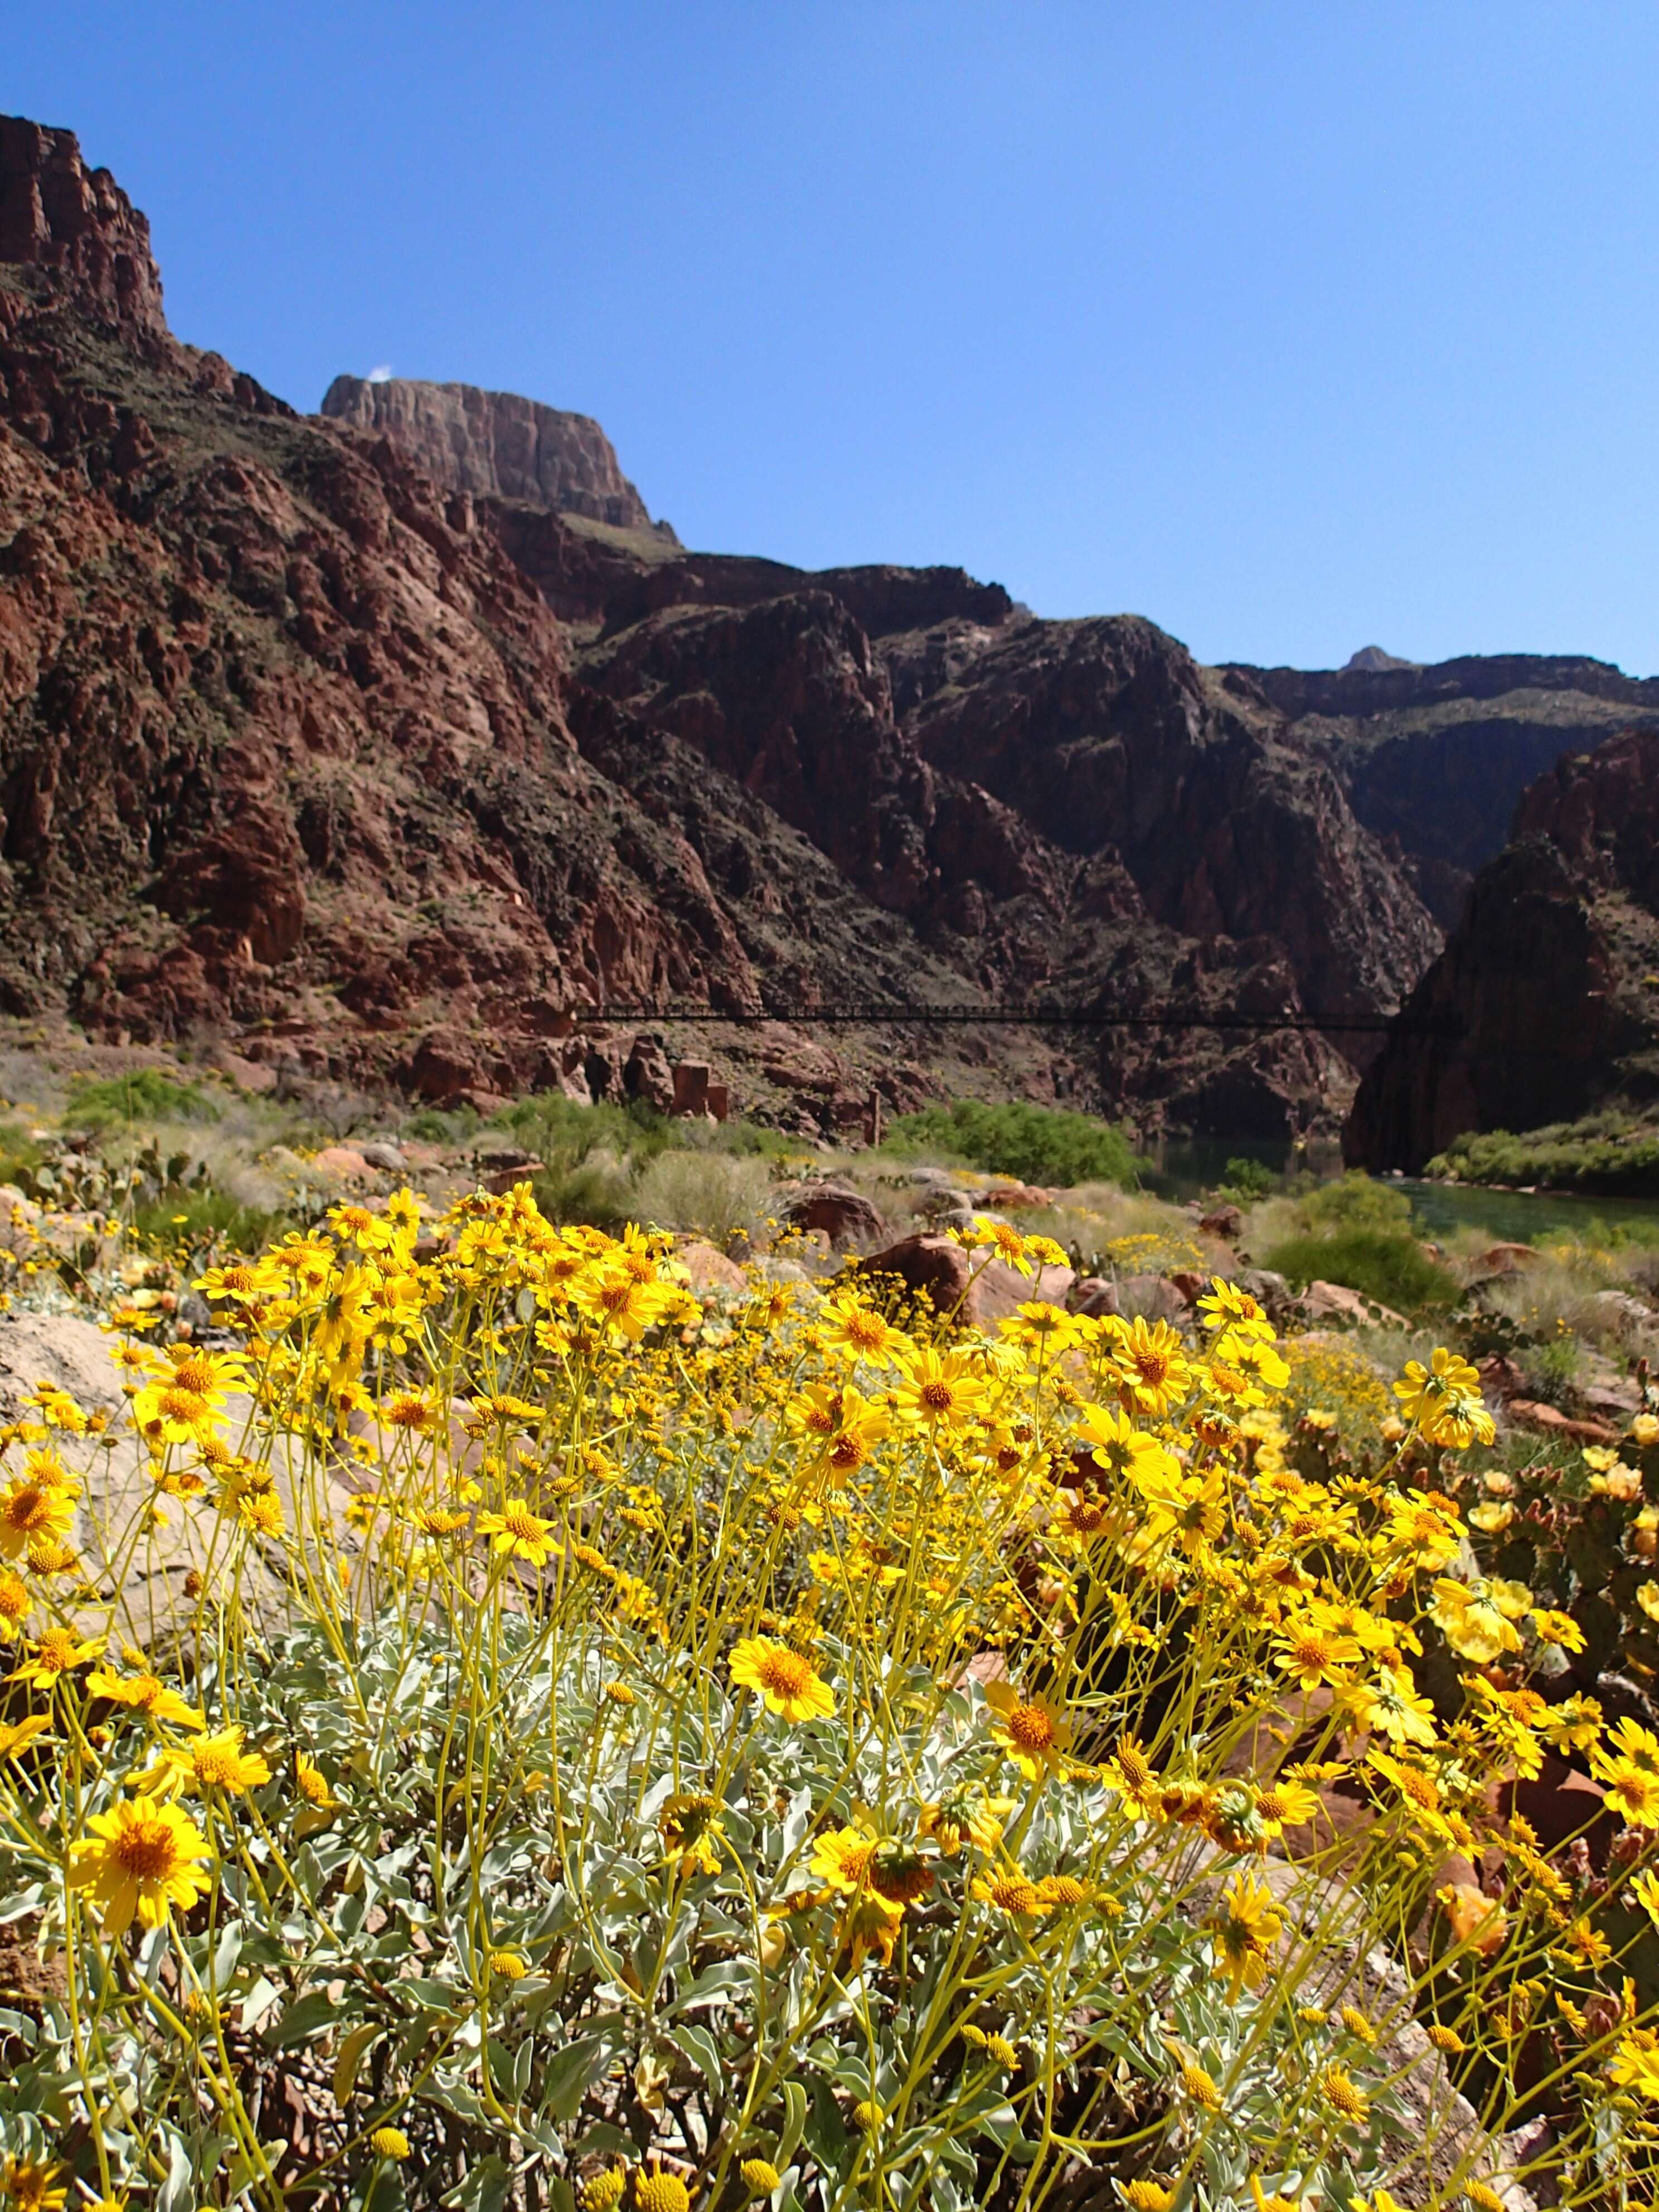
(1544, 1005)
(496, 445)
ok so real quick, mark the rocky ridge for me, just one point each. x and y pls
(498, 446)
(310, 744)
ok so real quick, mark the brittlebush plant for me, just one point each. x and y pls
(611, 1751)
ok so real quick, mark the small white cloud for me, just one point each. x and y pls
(382, 374)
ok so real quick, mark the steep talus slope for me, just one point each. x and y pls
(1435, 759)
(1541, 1008)
(498, 446)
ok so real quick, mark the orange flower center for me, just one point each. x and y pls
(29, 1509)
(1030, 1728)
(216, 1767)
(785, 1674)
(145, 1851)
(518, 1521)
(1014, 1895)
(936, 1397)
(192, 1375)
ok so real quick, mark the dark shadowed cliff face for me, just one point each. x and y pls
(1539, 1010)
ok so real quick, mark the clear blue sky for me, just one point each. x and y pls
(1293, 326)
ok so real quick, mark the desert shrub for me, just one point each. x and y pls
(20, 1155)
(442, 1125)
(596, 1189)
(1244, 1179)
(1608, 1153)
(712, 1192)
(191, 1219)
(1037, 1143)
(609, 1798)
(145, 1095)
(1384, 1264)
(1354, 1202)
(563, 1131)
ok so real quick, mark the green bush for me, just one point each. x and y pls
(18, 1155)
(1606, 1153)
(196, 1218)
(1038, 1144)
(1355, 1201)
(1384, 1264)
(562, 1132)
(145, 1095)
(440, 1125)
(1247, 1179)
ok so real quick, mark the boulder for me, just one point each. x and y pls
(1152, 1297)
(1225, 1222)
(1018, 1197)
(690, 1081)
(1506, 1259)
(846, 1217)
(1334, 1305)
(1270, 1290)
(1500, 1378)
(710, 1272)
(380, 1153)
(343, 1161)
(961, 1283)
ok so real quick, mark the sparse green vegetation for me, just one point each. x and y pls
(144, 1095)
(1609, 1153)
(1244, 1179)
(1388, 1265)
(1038, 1144)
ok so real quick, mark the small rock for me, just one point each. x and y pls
(1226, 1222)
(1500, 1378)
(1093, 1295)
(385, 1156)
(1549, 1421)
